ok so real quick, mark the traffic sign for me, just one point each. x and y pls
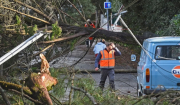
(107, 5)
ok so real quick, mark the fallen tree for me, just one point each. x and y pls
(122, 37)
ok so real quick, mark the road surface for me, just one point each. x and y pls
(125, 83)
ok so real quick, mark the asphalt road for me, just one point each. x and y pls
(86, 63)
(125, 83)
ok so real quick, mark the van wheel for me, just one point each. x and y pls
(138, 92)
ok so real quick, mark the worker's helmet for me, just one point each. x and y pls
(88, 20)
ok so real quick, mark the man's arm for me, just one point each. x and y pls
(117, 52)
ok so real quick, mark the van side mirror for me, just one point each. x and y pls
(178, 58)
(133, 57)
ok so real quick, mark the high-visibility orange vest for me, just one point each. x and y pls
(107, 59)
(86, 25)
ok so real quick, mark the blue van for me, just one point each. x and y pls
(159, 65)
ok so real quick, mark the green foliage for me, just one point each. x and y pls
(150, 15)
(25, 28)
(86, 9)
(30, 30)
(59, 90)
(73, 43)
(56, 31)
(14, 72)
(86, 84)
(172, 29)
(18, 20)
(57, 72)
(98, 3)
(175, 24)
(15, 99)
(116, 4)
(34, 69)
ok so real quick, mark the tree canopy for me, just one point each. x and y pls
(151, 15)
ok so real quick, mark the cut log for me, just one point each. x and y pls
(40, 84)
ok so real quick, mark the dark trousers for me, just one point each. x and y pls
(98, 63)
(107, 73)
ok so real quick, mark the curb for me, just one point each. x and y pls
(116, 71)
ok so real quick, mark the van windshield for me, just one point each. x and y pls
(168, 52)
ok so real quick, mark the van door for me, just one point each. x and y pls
(140, 66)
(142, 63)
(166, 67)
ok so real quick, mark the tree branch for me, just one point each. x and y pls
(4, 97)
(87, 94)
(25, 14)
(64, 38)
(26, 96)
(34, 9)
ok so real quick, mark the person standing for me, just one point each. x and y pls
(99, 46)
(107, 64)
(90, 39)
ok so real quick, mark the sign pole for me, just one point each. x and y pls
(107, 17)
(107, 5)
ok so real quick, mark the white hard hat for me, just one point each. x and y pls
(88, 20)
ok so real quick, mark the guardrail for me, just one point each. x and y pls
(20, 47)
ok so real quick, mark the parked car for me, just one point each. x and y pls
(159, 66)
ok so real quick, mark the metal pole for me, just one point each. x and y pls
(107, 17)
(20, 47)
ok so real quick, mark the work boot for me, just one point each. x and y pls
(112, 86)
(101, 87)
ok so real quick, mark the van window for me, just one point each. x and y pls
(167, 52)
(143, 53)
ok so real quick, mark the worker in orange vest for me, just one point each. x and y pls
(107, 64)
(90, 23)
(90, 38)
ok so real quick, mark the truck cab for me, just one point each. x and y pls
(159, 66)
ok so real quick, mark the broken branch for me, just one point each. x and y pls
(65, 38)
(34, 9)
(26, 96)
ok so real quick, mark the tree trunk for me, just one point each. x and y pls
(122, 37)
